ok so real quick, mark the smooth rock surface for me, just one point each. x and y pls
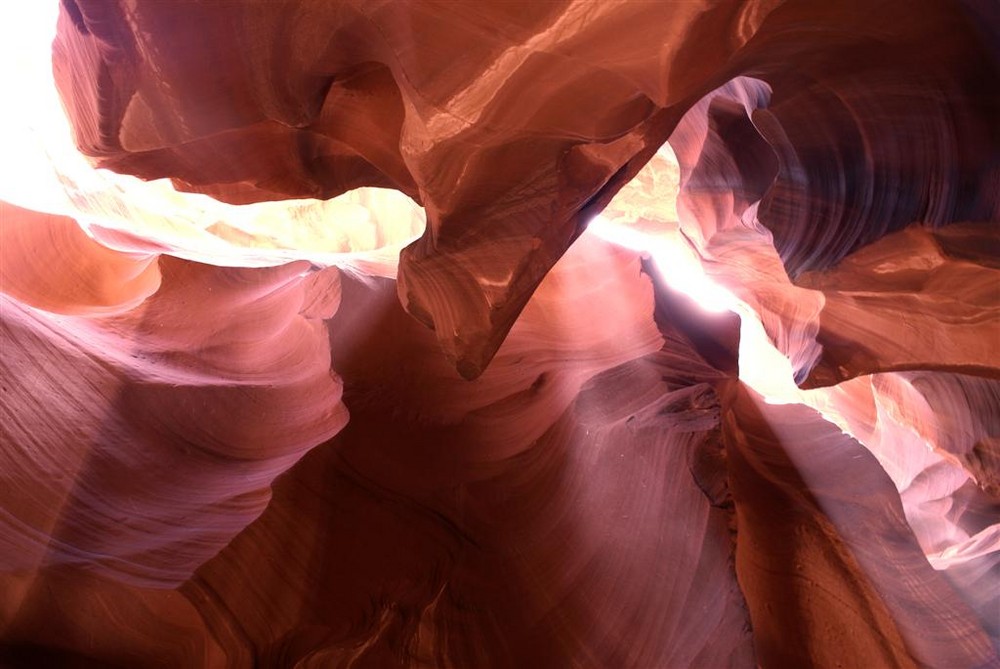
(564, 334)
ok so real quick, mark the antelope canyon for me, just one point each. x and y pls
(500, 334)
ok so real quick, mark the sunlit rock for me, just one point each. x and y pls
(499, 335)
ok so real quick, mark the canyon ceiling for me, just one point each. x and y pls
(574, 333)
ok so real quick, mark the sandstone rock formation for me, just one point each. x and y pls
(564, 334)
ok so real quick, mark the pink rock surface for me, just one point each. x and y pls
(501, 335)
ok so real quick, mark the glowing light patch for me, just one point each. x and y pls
(32, 124)
(42, 170)
(676, 259)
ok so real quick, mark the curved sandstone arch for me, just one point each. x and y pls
(564, 334)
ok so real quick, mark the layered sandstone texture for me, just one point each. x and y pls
(352, 333)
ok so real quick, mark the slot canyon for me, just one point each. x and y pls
(500, 334)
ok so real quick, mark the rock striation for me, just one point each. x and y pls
(563, 334)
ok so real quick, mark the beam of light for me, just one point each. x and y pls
(762, 366)
(675, 257)
(644, 217)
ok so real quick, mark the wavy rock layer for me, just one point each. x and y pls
(228, 436)
(498, 132)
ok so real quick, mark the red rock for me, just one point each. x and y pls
(749, 418)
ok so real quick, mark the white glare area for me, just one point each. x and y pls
(33, 123)
(676, 259)
(643, 216)
(42, 170)
(762, 366)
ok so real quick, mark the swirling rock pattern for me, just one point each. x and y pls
(246, 434)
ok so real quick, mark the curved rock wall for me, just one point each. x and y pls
(505, 334)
